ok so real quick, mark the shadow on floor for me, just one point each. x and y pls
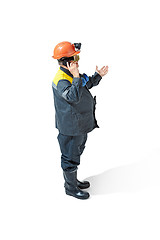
(128, 178)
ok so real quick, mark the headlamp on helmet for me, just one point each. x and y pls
(77, 46)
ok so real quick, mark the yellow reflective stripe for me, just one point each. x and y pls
(60, 75)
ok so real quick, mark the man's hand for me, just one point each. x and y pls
(103, 71)
(73, 68)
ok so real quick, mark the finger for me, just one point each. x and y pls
(102, 68)
(73, 63)
(67, 64)
(96, 67)
(106, 68)
(105, 72)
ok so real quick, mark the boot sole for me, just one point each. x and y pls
(79, 197)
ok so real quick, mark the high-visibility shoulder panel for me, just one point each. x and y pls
(60, 75)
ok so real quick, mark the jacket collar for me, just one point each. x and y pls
(66, 71)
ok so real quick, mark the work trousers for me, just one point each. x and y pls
(71, 149)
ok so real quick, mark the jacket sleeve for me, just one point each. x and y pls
(93, 80)
(70, 92)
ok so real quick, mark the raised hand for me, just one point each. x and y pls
(73, 68)
(103, 71)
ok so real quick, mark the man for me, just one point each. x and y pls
(75, 112)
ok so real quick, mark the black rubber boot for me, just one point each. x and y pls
(71, 186)
(83, 185)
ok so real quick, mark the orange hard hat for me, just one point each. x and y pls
(64, 49)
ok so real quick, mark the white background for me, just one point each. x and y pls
(121, 158)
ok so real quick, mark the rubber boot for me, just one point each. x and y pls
(83, 185)
(71, 186)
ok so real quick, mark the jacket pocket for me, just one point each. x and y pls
(85, 121)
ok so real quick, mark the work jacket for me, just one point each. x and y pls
(74, 104)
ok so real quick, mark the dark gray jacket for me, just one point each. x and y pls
(74, 104)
